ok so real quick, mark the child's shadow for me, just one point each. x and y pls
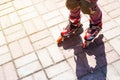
(83, 70)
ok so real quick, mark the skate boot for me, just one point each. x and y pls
(91, 33)
(68, 31)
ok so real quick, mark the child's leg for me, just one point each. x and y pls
(96, 18)
(74, 17)
(95, 24)
(74, 21)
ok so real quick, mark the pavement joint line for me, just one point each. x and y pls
(6, 2)
(43, 68)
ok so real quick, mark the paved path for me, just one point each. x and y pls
(28, 49)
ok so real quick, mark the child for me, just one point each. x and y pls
(89, 7)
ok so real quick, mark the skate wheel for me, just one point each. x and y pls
(59, 40)
(85, 44)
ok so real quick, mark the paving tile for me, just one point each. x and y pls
(36, 76)
(72, 63)
(108, 47)
(28, 78)
(14, 18)
(62, 25)
(5, 58)
(13, 29)
(112, 57)
(9, 70)
(2, 77)
(29, 15)
(111, 73)
(51, 15)
(106, 17)
(54, 21)
(3, 49)
(55, 32)
(27, 2)
(112, 33)
(109, 25)
(91, 61)
(5, 21)
(34, 25)
(26, 45)
(29, 27)
(4, 1)
(40, 35)
(45, 57)
(112, 6)
(7, 11)
(68, 53)
(25, 10)
(57, 69)
(40, 76)
(25, 60)
(115, 44)
(60, 4)
(51, 5)
(36, 1)
(41, 8)
(116, 66)
(84, 18)
(68, 75)
(5, 6)
(117, 19)
(43, 43)
(2, 38)
(15, 36)
(39, 23)
(114, 13)
(28, 69)
(65, 12)
(15, 49)
(85, 25)
(21, 3)
(103, 3)
(55, 53)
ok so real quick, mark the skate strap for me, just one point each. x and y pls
(95, 26)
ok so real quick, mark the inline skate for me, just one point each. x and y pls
(69, 31)
(91, 34)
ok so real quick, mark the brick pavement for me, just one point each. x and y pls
(28, 49)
